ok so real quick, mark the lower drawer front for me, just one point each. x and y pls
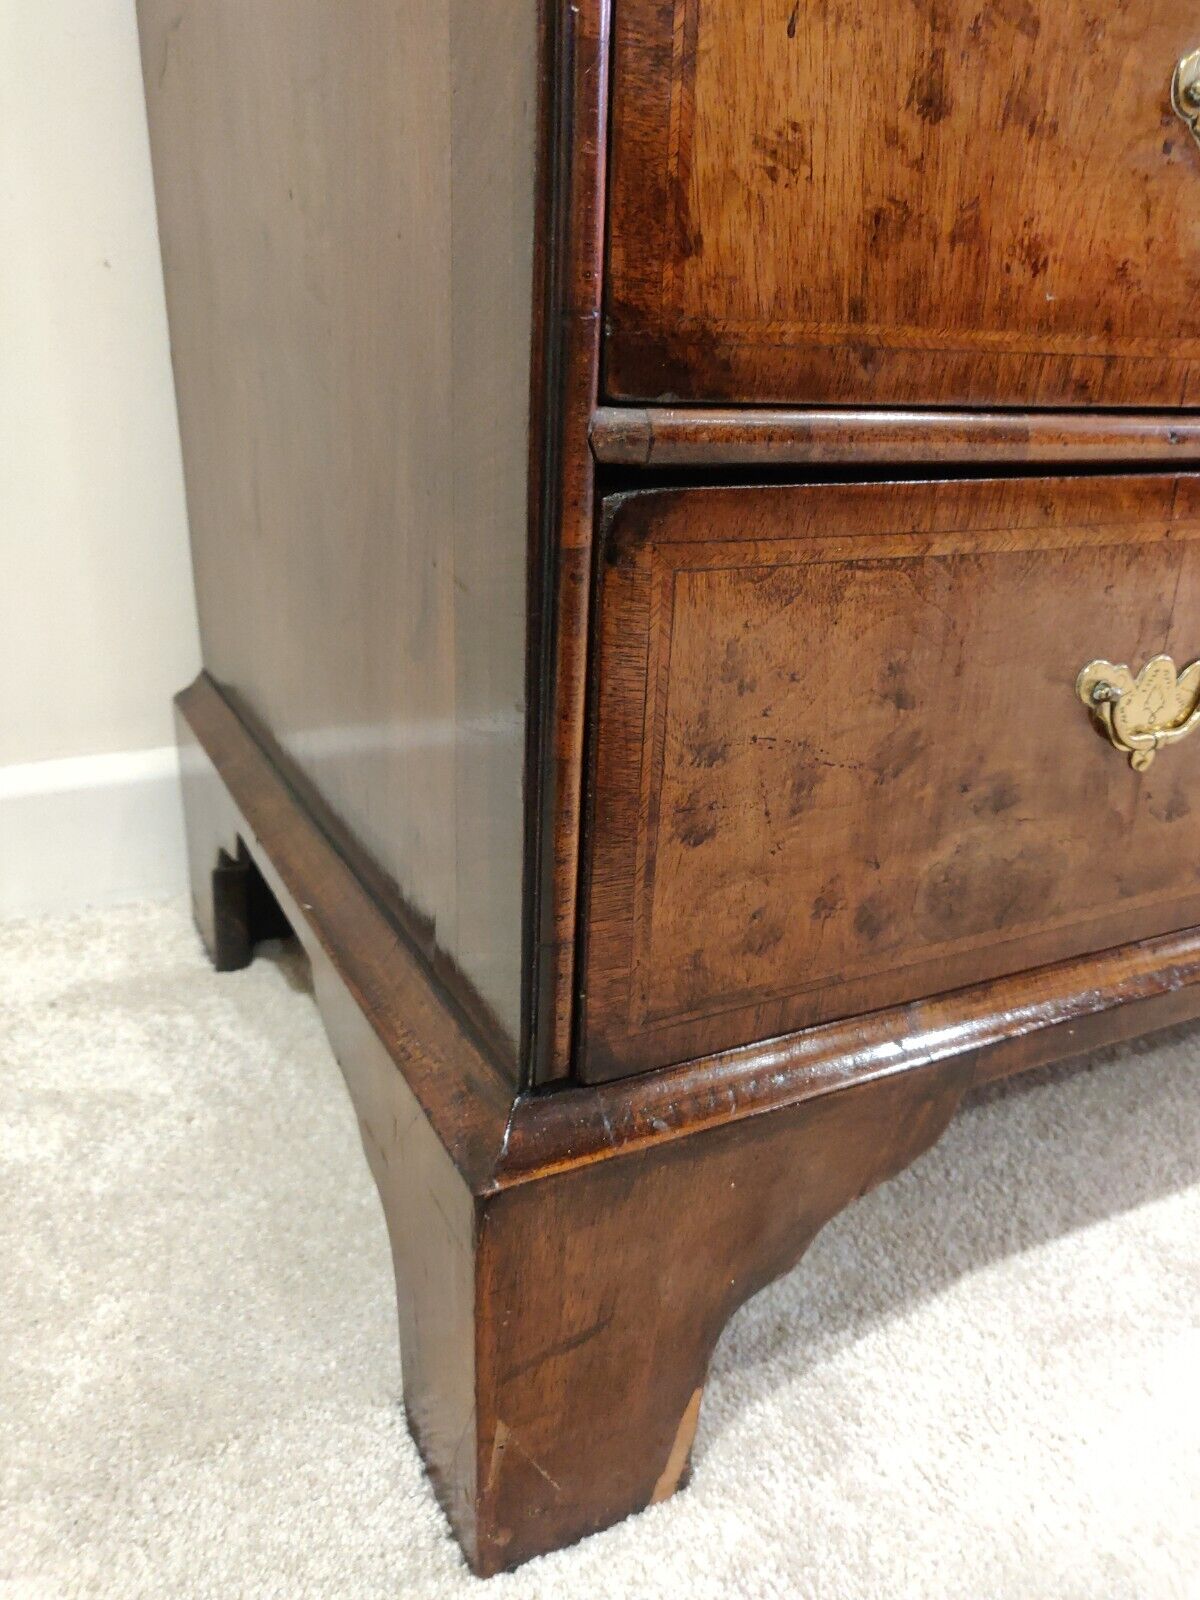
(841, 760)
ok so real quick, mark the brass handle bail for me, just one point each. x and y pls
(1185, 93)
(1141, 715)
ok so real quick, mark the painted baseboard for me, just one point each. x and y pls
(89, 831)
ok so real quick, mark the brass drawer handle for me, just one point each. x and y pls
(1185, 93)
(1141, 714)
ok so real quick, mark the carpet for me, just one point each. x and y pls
(983, 1381)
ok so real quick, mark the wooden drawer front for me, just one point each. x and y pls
(967, 201)
(840, 760)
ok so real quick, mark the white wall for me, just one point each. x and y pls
(97, 625)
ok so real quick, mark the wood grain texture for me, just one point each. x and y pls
(528, 1299)
(565, 1261)
(431, 1109)
(375, 993)
(840, 762)
(853, 846)
(566, 379)
(628, 1268)
(973, 202)
(346, 205)
(692, 437)
(998, 1029)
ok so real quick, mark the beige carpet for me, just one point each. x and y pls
(983, 1382)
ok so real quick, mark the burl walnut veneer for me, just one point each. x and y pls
(698, 559)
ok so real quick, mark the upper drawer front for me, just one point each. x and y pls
(938, 202)
(841, 761)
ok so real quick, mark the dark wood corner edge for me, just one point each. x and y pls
(374, 993)
(382, 1010)
(568, 277)
(978, 1035)
(697, 437)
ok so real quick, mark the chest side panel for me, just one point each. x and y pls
(346, 205)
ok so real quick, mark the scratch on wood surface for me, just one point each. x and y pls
(504, 1438)
(570, 1342)
(677, 1461)
(499, 1441)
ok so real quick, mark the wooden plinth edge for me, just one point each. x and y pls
(698, 437)
(566, 1260)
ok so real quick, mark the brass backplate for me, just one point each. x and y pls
(1142, 714)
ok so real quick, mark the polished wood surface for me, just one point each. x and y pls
(566, 1261)
(566, 378)
(998, 1029)
(970, 202)
(375, 993)
(671, 859)
(346, 205)
(431, 1107)
(629, 1268)
(840, 761)
(693, 437)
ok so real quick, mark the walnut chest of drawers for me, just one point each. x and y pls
(696, 527)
